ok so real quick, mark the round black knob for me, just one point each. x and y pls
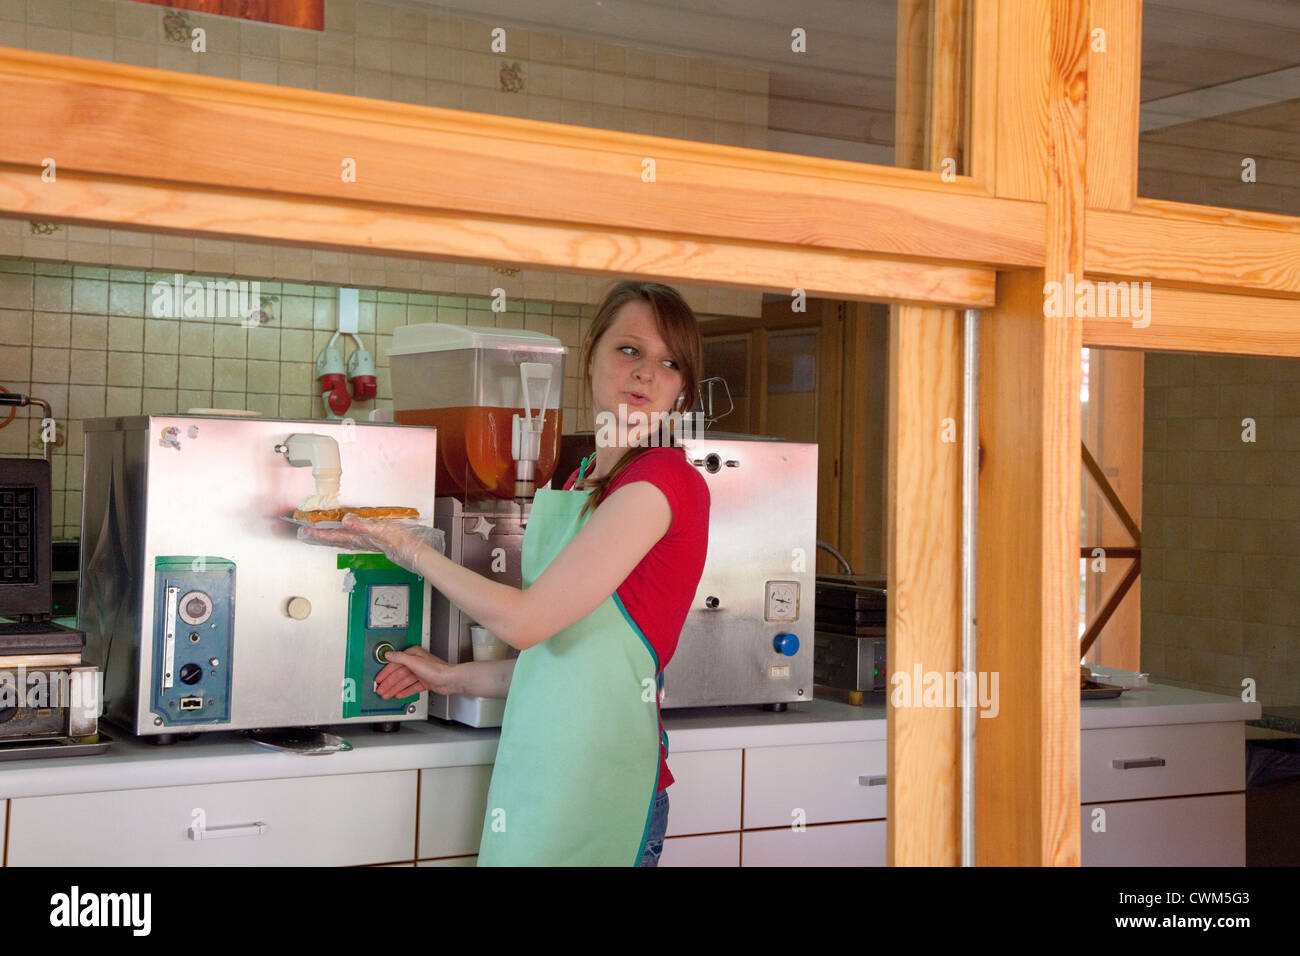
(191, 673)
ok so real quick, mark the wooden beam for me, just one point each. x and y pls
(982, 143)
(1104, 486)
(112, 120)
(1027, 787)
(1027, 757)
(1020, 124)
(1115, 426)
(1114, 83)
(911, 84)
(395, 230)
(1115, 402)
(862, 437)
(1185, 320)
(923, 561)
(1099, 622)
(1197, 247)
(948, 94)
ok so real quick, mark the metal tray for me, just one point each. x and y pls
(1099, 691)
(53, 747)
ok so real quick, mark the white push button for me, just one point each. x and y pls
(299, 608)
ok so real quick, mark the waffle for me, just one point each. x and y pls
(336, 514)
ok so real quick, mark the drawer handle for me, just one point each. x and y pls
(222, 833)
(864, 780)
(1134, 763)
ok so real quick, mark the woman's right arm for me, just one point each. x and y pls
(415, 669)
(484, 678)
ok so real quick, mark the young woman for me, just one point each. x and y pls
(610, 565)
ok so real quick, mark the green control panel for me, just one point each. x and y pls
(385, 612)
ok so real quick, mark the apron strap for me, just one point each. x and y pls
(581, 470)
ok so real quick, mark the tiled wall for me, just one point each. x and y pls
(1221, 525)
(404, 53)
(84, 339)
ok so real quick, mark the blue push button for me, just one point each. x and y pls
(787, 644)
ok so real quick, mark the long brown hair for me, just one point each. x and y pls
(680, 330)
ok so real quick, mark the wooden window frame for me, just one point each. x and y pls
(1051, 195)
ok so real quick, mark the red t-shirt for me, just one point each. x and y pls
(657, 595)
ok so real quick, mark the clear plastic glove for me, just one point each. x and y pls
(400, 543)
(411, 671)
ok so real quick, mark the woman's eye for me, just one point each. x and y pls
(627, 348)
(671, 364)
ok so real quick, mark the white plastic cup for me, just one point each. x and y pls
(487, 646)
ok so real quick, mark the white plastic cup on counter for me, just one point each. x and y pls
(487, 646)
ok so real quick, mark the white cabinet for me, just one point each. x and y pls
(1182, 831)
(715, 849)
(814, 783)
(451, 861)
(1169, 795)
(844, 844)
(343, 820)
(1132, 763)
(453, 801)
(704, 799)
(705, 795)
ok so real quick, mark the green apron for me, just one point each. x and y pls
(577, 767)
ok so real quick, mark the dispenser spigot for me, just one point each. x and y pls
(321, 452)
(526, 431)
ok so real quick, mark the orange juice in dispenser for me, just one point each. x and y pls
(494, 396)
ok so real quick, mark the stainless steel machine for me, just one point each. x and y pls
(486, 537)
(749, 636)
(851, 648)
(198, 601)
(49, 696)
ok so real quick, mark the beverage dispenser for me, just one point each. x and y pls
(494, 396)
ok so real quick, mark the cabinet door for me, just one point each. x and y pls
(1183, 831)
(715, 849)
(1133, 763)
(343, 820)
(453, 861)
(453, 801)
(705, 795)
(842, 844)
(827, 782)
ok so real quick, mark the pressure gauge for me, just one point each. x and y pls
(195, 607)
(389, 605)
(782, 601)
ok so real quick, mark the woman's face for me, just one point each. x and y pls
(631, 367)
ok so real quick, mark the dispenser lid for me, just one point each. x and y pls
(441, 337)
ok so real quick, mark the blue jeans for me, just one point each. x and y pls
(654, 843)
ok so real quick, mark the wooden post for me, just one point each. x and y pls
(924, 568)
(1114, 81)
(923, 549)
(1027, 804)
